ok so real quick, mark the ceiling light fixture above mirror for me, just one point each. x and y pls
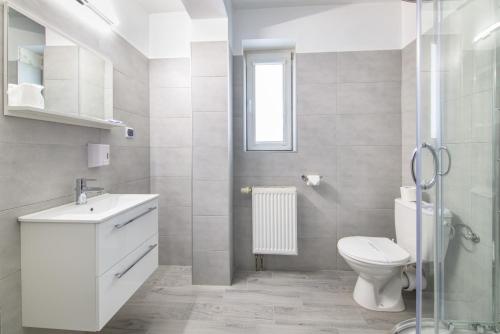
(96, 10)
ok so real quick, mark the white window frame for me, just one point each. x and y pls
(285, 57)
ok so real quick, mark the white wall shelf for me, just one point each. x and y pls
(43, 115)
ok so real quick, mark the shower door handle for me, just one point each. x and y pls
(447, 151)
(430, 183)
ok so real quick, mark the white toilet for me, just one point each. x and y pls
(380, 262)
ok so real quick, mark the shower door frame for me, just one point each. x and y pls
(437, 91)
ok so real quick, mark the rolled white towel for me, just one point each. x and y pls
(26, 95)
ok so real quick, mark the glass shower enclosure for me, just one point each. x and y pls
(457, 160)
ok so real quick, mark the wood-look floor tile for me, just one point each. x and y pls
(266, 302)
(263, 297)
(232, 311)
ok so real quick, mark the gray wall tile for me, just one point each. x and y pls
(317, 131)
(167, 161)
(174, 191)
(314, 222)
(209, 59)
(238, 70)
(314, 253)
(175, 250)
(170, 102)
(211, 268)
(10, 303)
(406, 155)
(367, 222)
(243, 256)
(132, 187)
(171, 132)
(243, 222)
(316, 68)
(211, 163)
(210, 198)
(369, 66)
(368, 176)
(210, 129)
(175, 220)
(238, 138)
(408, 129)
(121, 170)
(369, 129)
(238, 100)
(130, 94)
(173, 72)
(210, 93)
(211, 233)
(39, 173)
(366, 98)
(171, 156)
(316, 99)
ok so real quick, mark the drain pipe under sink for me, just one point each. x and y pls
(409, 279)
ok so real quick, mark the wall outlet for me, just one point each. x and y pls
(129, 133)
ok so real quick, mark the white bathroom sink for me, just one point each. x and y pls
(97, 209)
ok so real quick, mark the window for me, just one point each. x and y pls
(269, 95)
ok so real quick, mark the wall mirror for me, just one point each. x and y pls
(48, 76)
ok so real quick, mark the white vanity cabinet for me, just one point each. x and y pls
(80, 264)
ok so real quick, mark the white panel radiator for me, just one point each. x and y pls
(274, 220)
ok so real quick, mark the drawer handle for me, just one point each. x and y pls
(119, 226)
(121, 274)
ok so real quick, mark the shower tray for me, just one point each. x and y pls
(409, 327)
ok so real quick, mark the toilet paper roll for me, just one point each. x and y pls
(313, 180)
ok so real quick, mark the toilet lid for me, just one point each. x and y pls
(373, 250)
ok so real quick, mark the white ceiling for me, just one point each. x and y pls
(204, 9)
(196, 8)
(161, 6)
(251, 4)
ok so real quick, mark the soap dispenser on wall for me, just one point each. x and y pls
(98, 155)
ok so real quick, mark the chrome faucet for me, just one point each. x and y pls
(82, 189)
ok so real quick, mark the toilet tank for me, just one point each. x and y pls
(405, 219)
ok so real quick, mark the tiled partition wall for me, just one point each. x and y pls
(40, 160)
(349, 131)
(408, 110)
(212, 141)
(171, 124)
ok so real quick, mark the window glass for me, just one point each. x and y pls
(269, 103)
(269, 108)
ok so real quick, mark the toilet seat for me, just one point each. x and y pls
(370, 250)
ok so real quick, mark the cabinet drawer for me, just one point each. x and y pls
(119, 283)
(122, 234)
